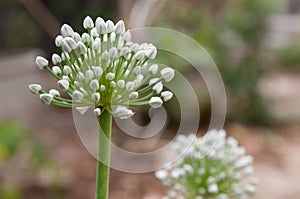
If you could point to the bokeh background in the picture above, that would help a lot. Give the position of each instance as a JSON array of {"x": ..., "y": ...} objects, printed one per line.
[{"x": 255, "y": 44}]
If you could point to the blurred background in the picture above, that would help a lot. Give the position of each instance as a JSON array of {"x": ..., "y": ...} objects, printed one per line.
[{"x": 254, "y": 43}]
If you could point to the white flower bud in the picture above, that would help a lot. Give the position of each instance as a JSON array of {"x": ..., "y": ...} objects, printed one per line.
[
  {"x": 158, "y": 87},
  {"x": 153, "y": 81},
  {"x": 65, "y": 56},
  {"x": 85, "y": 38},
  {"x": 101, "y": 26},
  {"x": 134, "y": 95},
  {"x": 213, "y": 188},
  {"x": 110, "y": 76},
  {"x": 130, "y": 86},
  {"x": 151, "y": 52},
  {"x": 82, "y": 110},
  {"x": 81, "y": 48},
  {"x": 66, "y": 31},
  {"x": 105, "y": 55},
  {"x": 54, "y": 92},
  {"x": 161, "y": 174},
  {"x": 113, "y": 84},
  {"x": 123, "y": 112},
  {"x": 63, "y": 84},
  {"x": 69, "y": 44},
  {"x": 96, "y": 45},
  {"x": 94, "y": 84},
  {"x": 41, "y": 62},
  {"x": 88, "y": 22},
  {"x": 58, "y": 40},
  {"x": 120, "y": 27},
  {"x": 76, "y": 37},
  {"x": 167, "y": 74},
  {"x": 80, "y": 76},
  {"x": 35, "y": 88},
  {"x": 56, "y": 59},
  {"x": 153, "y": 69},
  {"x": 134, "y": 47},
  {"x": 166, "y": 95},
  {"x": 89, "y": 75},
  {"x": 155, "y": 102},
  {"x": 121, "y": 83},
  {"x": 97, "y": 111},
  {"x": 67, "y": 70},
  {"x": 124, "y": 51},
  {"x": 96, "y": 97},
  {"x": 127, "y": 36},
  {"x": 102, "y": 88},
  {"x": 56, "y": 70},
  {"x": 140, "y": 55},
  {"x": 46, "y": 98},
  {"x": 77, "y": 95},
  {"x": 110, "y": 26},
  {"x": 98, "y": 71},
  {"x": 113, "y": 52},
  {"x": 94, "y": 32},
  {"x": 137, "y": 70}
]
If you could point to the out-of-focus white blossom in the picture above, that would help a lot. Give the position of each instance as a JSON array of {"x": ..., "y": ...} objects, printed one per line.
[{"x": 213, "y": 167}]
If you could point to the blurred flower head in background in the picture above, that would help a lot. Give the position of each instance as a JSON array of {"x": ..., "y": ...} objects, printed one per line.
[
  {"x": 103, "y": 69},
  {"x": 213, "y": 167}
]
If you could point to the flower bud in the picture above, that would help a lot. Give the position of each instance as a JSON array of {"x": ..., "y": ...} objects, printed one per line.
[
  {"x": 35, "y": 88},
  {"x": 85, "y": 38},
  {"x": 102, "y": 88},
  {"x": 94, "y": 32},
  {"x": 166, "y": 95},
  {"x": 101, "y": 26},
  {"x": 98, "y": 71},
  {"x": 69, "y": 44},
  {"x": 77, "y": 95},
  {"x": 63, "y": 84},
  {"x": 113, "y": 52},
  {"x": 56, "y": 70},
  {"x": 110, "y": 76},
  {"x": 127, "y": 36},
  {"x": 89, "y": 75},
  {"x": 123, "y": 112},
  {"x": 155, "y": 102},
  {"x": 54, "y": 92},
  {"x": 97, "y": 111},
  {"x": 120, "y": 27},
  {"x": 140, "y": 55},
  {"x": 76, "y": 37},
  {"x": 66, "y": 31},
  {"x": 67, "y": 70},
  {"x": 167, "y": 74},
  {"x": 81, "y": 48},
  {"x": 153, "y": 69},
  {"x": 158, "y": 87},
  {"x": 110, "y": 26},
  {"x": 153, "y": 81},
  {"x": 130, "y": 86},
  {"x": 134, "y": 95},
  {"x": 96, "y": 97},
  {"x": 58, "y": 40},
  {"x": 56, "y": 59},
  {"x": 121, "y": 83},
  {"x": 105, "y": 55},
  {"x": 46, "y": 98},
  {"x": 41, "y": 62},
  {"x": 88, "y": 22},
  {"x": 94, "y": 84}
]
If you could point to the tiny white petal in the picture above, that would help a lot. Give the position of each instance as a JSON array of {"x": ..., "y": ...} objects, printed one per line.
[
  {"x": 35, "y": 88},
  {"x": 88, "y": 22},
  {"x": 155, "y": 102},
  {"x": 46, "y": 98},
  {"x": 41, "y": 62}
]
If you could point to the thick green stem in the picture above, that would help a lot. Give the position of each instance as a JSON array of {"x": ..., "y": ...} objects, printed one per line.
[{"x": 102, "y": 181}]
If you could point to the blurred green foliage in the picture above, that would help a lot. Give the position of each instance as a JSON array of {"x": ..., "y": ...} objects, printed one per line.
[
  {"x": 289, "y": 56},
  {"x": 233, "y": 33},
  {"x": 17, "y": 142}
]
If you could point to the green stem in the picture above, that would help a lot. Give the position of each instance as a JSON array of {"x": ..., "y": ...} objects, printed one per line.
[{"x": 102, "y": 181}]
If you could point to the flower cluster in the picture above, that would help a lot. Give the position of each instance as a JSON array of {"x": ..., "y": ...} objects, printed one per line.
[
  {"x": 212, "y": 167},
  {"x": 103, "y": 69}
]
